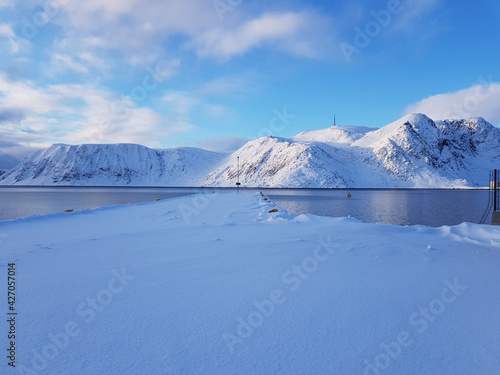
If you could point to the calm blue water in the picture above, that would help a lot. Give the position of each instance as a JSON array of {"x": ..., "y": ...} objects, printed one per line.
[{"x": 402, "y": 207}]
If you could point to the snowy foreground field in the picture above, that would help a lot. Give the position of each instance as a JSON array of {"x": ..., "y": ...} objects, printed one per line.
[{"x": 216, "y": 284}]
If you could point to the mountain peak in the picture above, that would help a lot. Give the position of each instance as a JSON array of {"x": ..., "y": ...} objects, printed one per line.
[
  {"x": 416, "y": 118},
  {"x": 475, "y": 122},
  {"x": 337, "y": 134},
  {"x": 413, "y": 151}
]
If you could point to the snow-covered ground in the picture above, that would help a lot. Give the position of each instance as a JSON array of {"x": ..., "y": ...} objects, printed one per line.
[{"x": 217, "y": 284}]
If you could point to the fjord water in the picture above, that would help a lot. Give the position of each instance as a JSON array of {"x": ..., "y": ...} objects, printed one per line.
[{"x": 393, "y": 206}]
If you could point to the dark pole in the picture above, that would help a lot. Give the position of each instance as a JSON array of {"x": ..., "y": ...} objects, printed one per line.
[
  {"x": 238, "y": 177},
  {"x": 495, "y": 188}
]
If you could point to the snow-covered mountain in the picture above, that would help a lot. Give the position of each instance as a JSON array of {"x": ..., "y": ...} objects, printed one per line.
[
  {"x": 411, "y": 152},
  {"x": 340, "y": 135},
  {"x": 282, "y": 162},
  {"x": 424, "y": 153},
  {"x": 110, "y": 165},
  {"x": 414, "y": 151}
]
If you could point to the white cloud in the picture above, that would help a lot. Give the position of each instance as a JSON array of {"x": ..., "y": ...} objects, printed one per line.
[
  {"x": 6, "y": 3},
  {"x": 171, "y": 16},
  {"x": 24, "y": 94},
  {"x": 128, "y": 31},
  {"x": 86, "y": 113},
  {"x": 179, "y": 106},
  {"x": 178, "y": 101},
  {"x": 414, "y": 11},
  {"x": 70, "y": 54},
  {"x": 93, "y": 61},
  {"x": 141, "y": 125},
  {"x": 6, "y": 30},
  {"x": 291, "y": 32},
  {"x": 78, "y": 114},
  {"x": 136, "y": 30},
  {"x": 62, "y": 63},
  {"x": 480, "y": 100},
  {"x": 93, "y": 41},
  {"x": 15, "y": 43}
]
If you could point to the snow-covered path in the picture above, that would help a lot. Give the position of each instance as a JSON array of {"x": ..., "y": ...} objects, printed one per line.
[{"x": 216, "y": 284}]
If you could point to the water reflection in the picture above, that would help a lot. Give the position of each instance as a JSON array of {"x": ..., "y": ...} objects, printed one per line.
[{"x": 403, "y": 207}]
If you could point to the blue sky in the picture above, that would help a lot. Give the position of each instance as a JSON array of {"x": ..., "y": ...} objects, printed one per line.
[{"x": 215, "y": 73}]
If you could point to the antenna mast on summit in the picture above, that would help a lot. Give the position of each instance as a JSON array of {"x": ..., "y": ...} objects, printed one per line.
[{"x": 334, "y": 120}]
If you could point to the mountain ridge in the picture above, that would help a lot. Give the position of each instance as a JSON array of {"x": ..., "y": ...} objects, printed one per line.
[{"x": 412, "y": 152}]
